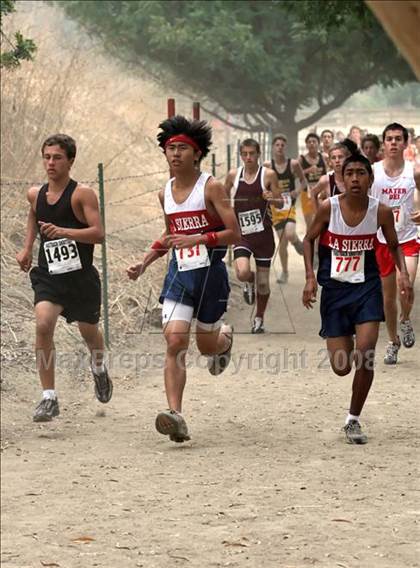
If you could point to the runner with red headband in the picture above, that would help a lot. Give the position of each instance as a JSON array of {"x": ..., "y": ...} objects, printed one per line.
[{"x": 200, "y": 223}]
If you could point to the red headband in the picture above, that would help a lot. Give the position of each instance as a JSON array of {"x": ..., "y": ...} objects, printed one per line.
[{"x": 185, "y": 139}]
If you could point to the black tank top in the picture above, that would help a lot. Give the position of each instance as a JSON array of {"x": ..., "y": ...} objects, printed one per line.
[
  {"x": 61, "y": 214},
  {"x": 334, "y": 189},
  {"x": 313, "y": 178},
  {"x": 286, "y": 179}
]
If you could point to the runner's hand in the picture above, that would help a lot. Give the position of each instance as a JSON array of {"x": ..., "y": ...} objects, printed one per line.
[
  {"x": 135, "y": 270},
  {"x": 50, "y": 231},
  {"x": 309, "y": 293},
  {"x": 181, "y": 241},
  {"x": 415, "y": 217},
  {"x": 24, "y": 259},
  {"x": 405, "y": 287}
]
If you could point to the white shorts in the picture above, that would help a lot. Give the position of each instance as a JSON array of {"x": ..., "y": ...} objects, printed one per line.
[{"x": 174, "y": 311}]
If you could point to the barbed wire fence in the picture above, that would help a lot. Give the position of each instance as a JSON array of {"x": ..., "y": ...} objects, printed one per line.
[{"x": 14, "y": 216}]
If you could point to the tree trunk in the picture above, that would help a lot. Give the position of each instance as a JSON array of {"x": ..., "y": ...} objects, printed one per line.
[{"x": 291, "y": 132}]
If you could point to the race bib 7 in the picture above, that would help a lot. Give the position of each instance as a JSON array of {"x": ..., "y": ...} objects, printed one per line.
[{"x": 348, "y": 267}]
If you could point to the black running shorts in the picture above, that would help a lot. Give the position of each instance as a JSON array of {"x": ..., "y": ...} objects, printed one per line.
[{"x": 78, "y": 292}]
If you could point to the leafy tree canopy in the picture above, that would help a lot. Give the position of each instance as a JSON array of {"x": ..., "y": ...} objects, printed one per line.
[
  {"x": 259, "y": 61},
  {"x": 19, "y": 48}
]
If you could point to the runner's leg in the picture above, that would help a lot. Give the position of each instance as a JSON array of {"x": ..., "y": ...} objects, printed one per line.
[
  {"x": 389, "y": 287},
  {"x": 263, "y": 290},
  {"x": 46, "y": 315},
  {"x": 177, "y": 336},
  {"x": 366, "y": 339},
  {"x": 406, "y": 307}
]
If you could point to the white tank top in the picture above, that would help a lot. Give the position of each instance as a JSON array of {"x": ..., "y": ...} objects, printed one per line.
[
  {"x": 190, "y": 216},
  {"x": 337, "y": 227},
  {"x": 398, "y": 193}
]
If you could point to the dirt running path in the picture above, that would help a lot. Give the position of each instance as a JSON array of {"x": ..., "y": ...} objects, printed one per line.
[{"x": 266, "y": 481}]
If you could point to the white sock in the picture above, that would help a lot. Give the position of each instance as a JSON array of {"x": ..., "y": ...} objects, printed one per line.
[
  {"x": 49, "y": 393},
  {"x": 352, "y": 417},
  {"x": 98, "y": 368}
]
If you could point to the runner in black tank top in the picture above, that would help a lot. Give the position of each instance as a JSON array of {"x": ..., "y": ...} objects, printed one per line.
[
  {"x": 284, "y": 220},
  {"x": 65, "y": 282},
  {"x": 252, "y": 189},
  {"x": 331, "y": 183},
  {"x": 314, "y": 167}
]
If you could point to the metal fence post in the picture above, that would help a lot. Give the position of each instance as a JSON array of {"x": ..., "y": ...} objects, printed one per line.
[
  {"x": 104, "y": 261},
  {"x": 229, "y": 165}
]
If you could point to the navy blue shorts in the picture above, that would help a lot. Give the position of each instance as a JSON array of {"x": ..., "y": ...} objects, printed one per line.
[
  {"x": 205, "y": 289},
  {"x": 344, "y": 308}
]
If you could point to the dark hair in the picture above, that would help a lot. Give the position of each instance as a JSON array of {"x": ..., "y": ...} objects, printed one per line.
[
  {"x": 396, "y": 126},
  {"x": 250, "y": 142},
  {"x": 357, "y": 157},
  {"x": 279, "y": 137},
  {"x": 350, "y": 145},
  {"x": 371, "y": 138},
  {"x": 65, "y": 142},
  {"x": 198, "y": 130},
  {"x": 327, "y": 130},
  {"x": 312, "y": 135}
]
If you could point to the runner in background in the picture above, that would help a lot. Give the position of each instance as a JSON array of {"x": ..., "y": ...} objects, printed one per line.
[
  {"x": 395, "y": 185},
  {"x": 371, "y": 147},
  {"x": 327, "y": 140},
  {"x": 355, "y": 134},
  {"x": 314, "y": 167},
  {"x": 331, "y": 183},
  {"x": 291, "y": 180},
  {"x": 252, "y": 189}
]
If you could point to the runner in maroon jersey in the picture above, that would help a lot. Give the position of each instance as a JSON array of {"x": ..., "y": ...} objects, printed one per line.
[{"x": 253, "y": 188}]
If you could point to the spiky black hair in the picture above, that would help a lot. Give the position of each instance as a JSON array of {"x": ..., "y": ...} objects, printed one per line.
[
  {"x": 198, "y": 130},
  {"x": 359, "y": 158}
]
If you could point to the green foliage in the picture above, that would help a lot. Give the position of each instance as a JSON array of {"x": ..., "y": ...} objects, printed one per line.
[
  {"x": 21, "y": 48},
  {"x": 260, "y": 60}
]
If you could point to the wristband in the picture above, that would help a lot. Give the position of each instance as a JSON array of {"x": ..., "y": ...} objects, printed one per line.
[
  {"x": 159, "y": 247},
  {"x": 211, "y": 238}
]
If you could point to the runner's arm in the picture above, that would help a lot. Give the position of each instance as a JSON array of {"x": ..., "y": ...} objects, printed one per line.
[
  {"x": 415, "y": 216},
  {"x": 85, "y": 202},
  {"x": 161, "y": 247},
  {"x": 273, "y": 192},
  {"x": 24, "y": 256},
  {"x": 230, "y": 178},
  {"x": 300, "y": 176},
  {"x": 321, "y": 186},
  {"x": 387, "y": 224},
  {"x": 321, "y": 220}
]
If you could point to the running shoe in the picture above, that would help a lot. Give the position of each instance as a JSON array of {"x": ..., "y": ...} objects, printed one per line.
[
  {"x": 218, "y": 363},
  {"x": 298, "y": 247},
  {"x": 103, "y": 386},
  {"x": 283, "y": 278},
  {"x": 407, "y": 333},
  {"x": 249, "y": 293},
  {"x": 354, "y": 434},
  {"x": 171, "y": 423},
  {"x": 46, "y": 410},
  {"x": 258, "y": 326},
  {"x": 391, "y": 354}
]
